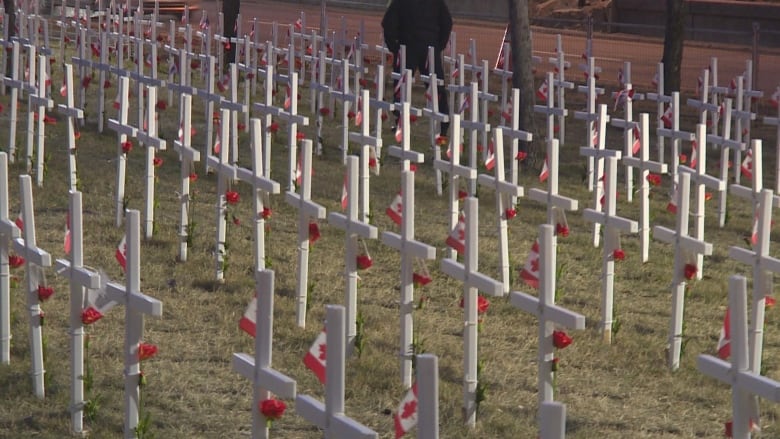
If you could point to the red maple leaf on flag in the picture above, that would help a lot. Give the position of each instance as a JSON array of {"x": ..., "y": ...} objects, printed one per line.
[
  {"x": 323, "y": 351},
  {"x": 410, "y": 408},
  {"x": 535, "y": 265}
]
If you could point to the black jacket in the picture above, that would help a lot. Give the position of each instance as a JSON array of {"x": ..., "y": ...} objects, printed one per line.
[{"x": 417, "y": 23}]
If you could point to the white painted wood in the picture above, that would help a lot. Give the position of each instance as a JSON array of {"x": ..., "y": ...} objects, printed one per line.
[
  {"x": 598, "y": 152},
  {"x": 590, "y": 115},
  {"x": 8, "y": 232},
  {"x": 72, "y": 114},
  {"x": 123, "y": 130},
  {"x": 187, "y": 155},
  {"x": 661, "y": 101},
  {"x": 553, "y": 420},
  {"x": 676, "y": 135}
]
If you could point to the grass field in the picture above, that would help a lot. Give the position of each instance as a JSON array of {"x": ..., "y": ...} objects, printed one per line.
[{"x": 623, "y": 390}]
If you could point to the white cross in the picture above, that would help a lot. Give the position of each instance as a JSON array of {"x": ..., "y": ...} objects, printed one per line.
[
  {"x": 72, "y": 113},
  {"x": 364, "y": 138},
  {"x": 149, "y": 138},
  {"x": 742, "y": 118},
  {"x": 553, "y": 420},
  {"x": 15, "y": 84},
  {"x": 431, "y": 110},
  {"x": 265, "y": 379},
  {"x": 724, "y": 142},
  {"x": 347, "y": 98},
  {"x": 473, "y": 281},
  {"x": 645, "y": 166},
  {"x": 211, "y": 97},
  {"x": 702, "y": 104},
  {"x": 262, "y": 187},
  {"x": 599, "y": 153},
  {"x": 627, "y": 124},
  {"x": 235, "y": 106},
  {"x": 319, "y": 87},
  {"x": 548, "y": 313},
  {"x": 456, "y": 171},
  {"x": 475, "y": 126},
  {"x": 35, "y": 259},
  {"x": 410, "y": 249},
  {"x": 745, "y": 384},
  {"x": 354, "y": 229},
  {"x": 590, "y": 116},
  {"x": 764, "y": 267},
  {"x": 516, "y": 135},
  {"x": 677, "y": 135},
  {"x": 187, "y": 155},
  {"x": 330, "y": 416},
  {"x": 775, "y": 121},
  {"x": 404, "y": 150},
  {"x": 80, "y": 278},
  {"x": 561, "y": 85},
  {"x": 662, "y": 101},
  {"x": 505, "y": 192},
  {"x": 37, "y": 104},
  {"x": 123, "y": 130},
  {"x": 8, "y": 231},
  {"x": 137, "y": 305},
  {"x": 548, "y": 109},
  {"x": 683, "y": 245},
  {"x": 754, "y": 193},
  {"x": 613, "y": 225},
  {"x": 307, "y": 209},
  {"x": 226, "y": 173},
  {"x": 551, "y": 197},
  {"x": 427, "y": 396}
]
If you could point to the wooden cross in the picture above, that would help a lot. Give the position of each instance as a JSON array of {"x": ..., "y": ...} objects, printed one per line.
[
  {"x": 411, "y": 250},
  {"x": 427, "y": 396},
  {"x": 262, "y": 187},
  {"x": 677, "y": 135},
  {"x": 73, "y": 113},
  {"x": 553, "y": 420},
  {"x": 505, "y": 192},
  {"x": 745, "y": 384},
  {"x": 354, "y": 229},
  {"x": 307, "y": 209},
  {"x": 548, "y": 109},
  {"x": 226, "y": 173},
  {"x": 627, "y": 124},
  {"x": 683, "y": 245},
  {"x": 265, "y": 379},
  {"x": 516, "y": 135},
  {"x": 35, "y": 260},
  {"x": 598, "y": 153},
  {"x": 662, "y": 101},
  {"x": 149, "y": 138},
  {"x": 473, "y": 281},
  {"x": 613, "y": 225},
  {"x": 404, "y": 151},
  {"x": 80, "y": 278},
  {"x": 123, "y": 130},
  {"x": 235, "y": 106},
  {"x": 187, "y": 155},
  {"x": 8, "y": 232},
  {"x": 475, "y": 126},
  {"x": 16, "y": 84},
  {"x": 645, "y": 166},
  {"x": 38, "y": 101},
  {"x": 431, "y": 110},
  {"x": 364, "y": 138},
  {"x": 551, "y": 197},
  {"x": 560, "y": 85},
  {"x": 701, "y": 180},
  {"x": 549, "y": 314},
  {"x": 764, "y": 267},
  {"x": 724, "y": 142},
  {"x": 342, "y": 93},
  {"x": 754, "y": 193},
  {"x": 137, "y": 305},
  {"x": 330, "y": 416},
  {"x": 775, "y": 121},
  {"x": 590, "y": 116},
  {"x": 456, "y": 170},
  {"x": 379, "y": 104},
  {"x": 702, "y": 104},
  {"x": 742, "y": 119}
]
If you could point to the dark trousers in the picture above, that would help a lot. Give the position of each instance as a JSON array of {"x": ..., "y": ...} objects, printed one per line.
[{"x": 417, "y": 61}]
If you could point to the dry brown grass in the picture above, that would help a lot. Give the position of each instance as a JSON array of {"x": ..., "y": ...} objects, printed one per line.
[{"x": 618, "y": 391}]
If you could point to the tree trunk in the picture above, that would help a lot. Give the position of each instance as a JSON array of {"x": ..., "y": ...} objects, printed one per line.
[
  {"x": 676, "y": 12},
  {"x": 522, "y": 59}
]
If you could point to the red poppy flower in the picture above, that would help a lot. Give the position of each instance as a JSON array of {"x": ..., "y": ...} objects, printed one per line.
[
  {"x": 161, "y": 104},
  {"x": 510, "y": 213},
  {"x": 690, "y": 271},
  {"x": 193, "y": 177},
  {"x": 482, "y": 304},
  {"x": 127, "y": 146},
  {"x": 50, "y": 120},
  {"x": 274, "y": 127},
  {"x": 561, "y": 230},
  {"x": 77, "y": 135},
  {"x": 441, "y": 140},
  {"x": 266, "y": 213},
  {"x": 654, "y": 179},
  {"x": 462, "y": 194},
  {"x": 85, "y": 82},
  {"x": 364, "y": 262},
  {"x": 413, "y": 167},
  {"x": 618, "y": 254},
  {"x": 561, "y": 339},
  {"x": 363, "y": 83},
  {"x": 272, "y": 409},
  {"x": 241, "y": 126},
  {"x": 350, "y": 115},
  {"x": 372, "y": 163},
  {"x": 106, "y": 84},
  {"x": 521, "y": 155},
  {"x": 683, "y": 158},
  {"x": 157, "y": 162},
  {"x": 412, "y": 118},
  {"x": 44, "y": 292},
  {"x": 384, "y": 116},
  {"x": 707, "y": 196},
  {"x": 421, "y": 280},
  {"x": 15, "y": 261},
  {"x": 146, "y": 351},
  {"x": 116, "y": 105},
  {"x": 314, "y": 232},
  {"x": 90, "y": 316},
  {"x": 300, "y": 135},
  {"x": 324, "y": 111},
  {"x": 194, "y": 64},
  {"x": 232, "y": 197}
]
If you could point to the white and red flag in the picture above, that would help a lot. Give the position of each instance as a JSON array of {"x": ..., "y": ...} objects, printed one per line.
[
  {"x": 542, "y": 91},
  {"x": 636, "y": 143},
  {"x": 545, "y": 171},
  {"x": 694, "y": 153},
  {"x": 457, "y": 237},
  {"x": 19, "y": 221},
  {"x": 776, "y": 98},
  {"x": 490, "y": 159},
  {"x": 248, "y": 321},
  {"x": 344, "y": 193},
  {"x": 315, "y": 357},
  {"x": 406, "y": 416},
  {"x": 530, "y": 271},
  {"x": 66, "y": 242},
  {"x": 747, "y": 164},
  {"x": 466, "y": 104},
  {"x": 667, "y": 117},
  {"x": 724, "y": 342},
  {"x": 287, "y": 97},
  {"x": 121, "y": 253},
  {"x": 396, "y": 209}
]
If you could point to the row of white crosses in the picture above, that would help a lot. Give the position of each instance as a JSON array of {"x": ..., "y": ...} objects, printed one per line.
[
  {"x": 591, "y": 117},
  {"x": 8, "y": 232}
]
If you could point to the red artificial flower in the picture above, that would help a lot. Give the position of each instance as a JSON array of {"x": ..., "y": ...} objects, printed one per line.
[
  {"x": 266, "y": 213},
  {"x": 441, "y": 140},
  {"x": 364, "y": 262},
  {"x": 654, "y": 179},
  {"x": 384, "y": 116},
  {"x": 77, "y": 135},
  {"x": 195, "y": 64},
  {"x": 300, "y": 135},
  {"x": 146, "y": 351},
  {"x": 561, "y": 339},
  {"x": 363, "y": 83},
  {"x": 769, "y": 301},
  {"x": 482, "y": 304},
  {"x": 413, "y": 167},
  {"x": 241, "y": 126},
  {"x": 127, "y": 146},
  {"x": 44, "y": 293},
  {"x": 683, "y": 158},
  {"x": 521, "y": 155},
  {"x": 372, "y": 163},
  {"x": 690, "y": 271},
  {"x": 421, "y": 280},
  {"x": 462, "y": 194},
  {"x": 50, "y": 120},
  {"x": 618, "y": 254},
  {"x": 272, "y": 409},
  {"x": 85, "y": 82},
  {"x": 561, "y": 230},
  {"x": 350, "y": 115},
  {"x": 106, "y": 84},
  {"x": 90, "y": 316},
  {"x": 161, "y": 104},
  {"x": 510, "y": 213},
  {"x": 707, "y": 196},
  {"x": 15, "y": 261},
  {"x": 193, "y": 176},
  {"x": 116, "y": 105},
  {"x": 232, "y": 197},
  {"x": 274, "y": 127},
  {"x": 157, "y": 162},
  {"x": 324, "y": 111},
  {"x": 412, "y": 118},
  {"x": 480, "y": 148},
  {"x": 236, "y": 221},
  {"x": 314, "y": 232}
]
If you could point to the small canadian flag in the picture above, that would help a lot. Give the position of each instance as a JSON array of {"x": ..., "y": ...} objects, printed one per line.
[
  {"x": 457, "y": 237},
  {"x": 490, "y": 159},
  {"x": 466, "y": 104},
  {"x": 121, "y": 252},
  {"x": 217, "y": 145},
  {"x": 637, "y": 144},
  {"x": 298, "y": 171},
  {"x": 507, "y": 113},
  {"x": 776, "y": 98},
  {"x": 248, "y": 320},
  {"x": 667, "y": 117},
  {"x": 19, "y": 221},
  {"x": 672, "y": 206},
  {"x": 754, "y": 232},
  {"x": 399, "y": 131},
  {"x": 654, "y": 82},
  {"x": 724, "y": 342},
  {"x": 747, "y": 164},
  {"x": 315, "y": 358},
  {"x": 396, "y": 209},
  {"x": 542, "y": 91},
  {"x": 298, "y": 24},
  {"x": 64, "y": 88},
  {"x": 594, "y": 135},
  {"x": 694, "y": 153},
  {"x": 406, "y": 416},
  {"x": 344, "y": 194},
  {"x": 545, "y": 172},
  {"x": 287, "y": 98},
  {"x": 66, "y": 243},
  {"x": 622, "y": 97},
  {"x": 530, "y": 271}
]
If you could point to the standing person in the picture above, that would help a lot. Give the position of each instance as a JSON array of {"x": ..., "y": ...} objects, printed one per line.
[
  {"x": 418, "y": 24},
  {"x": 230, "y": 11}
]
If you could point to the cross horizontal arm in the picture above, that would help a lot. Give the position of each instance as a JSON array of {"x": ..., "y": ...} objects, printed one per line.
[
  {"x": 357, "y": 227},
  {"x": 503, "y": 187},
  {"x": 80, "y": 275},
  {"x": 600, "y": 153},
  {"x": 186, "y": 152},
  {"x": 151, "y": 141},
  {"x": 672, "y": 134},
  {"x": 585, "y": 88},
  {"x": 749, "y": 382},
  {"x": 311, "y": 410},
  {"x": 365, "y": 139},
  {"x": 587, "y": 116},
  {"x": 555, "y": 200},
  {"x": 459, "y": 170},
  {"x": 268, "y": 378},
  {"x": 121, "y": 128},
  {"x": 415, "y": 248},
  {"x": 342, "y": 426},
  {"x": 36, "y": 256},
  {"x": 619, "y": 223},
  {"x": 749, "y": 257},
  {"x": 657, "y": 167},
  {"x": 470, "y": 125},
  {"x": 692, "y": 244},
  {"x": 476, "y": 280},
  {"x": 659, "y": 97},
  {"x": 747, "y": 192},
  {"x": 137, "y": 301},
  {"x": 555, "y": 111},
  {"x": 309, "y": 207},
  {"x": 78, "y": 113},
  {"x": 9, "y": 230},
  {"x": 624, "y": 124},
  {"x": 707, "y": 180},
  {"x": 725, "y": 143},
  {"x": 262, "y": 183},
  {"x": 405, "y": 154}
]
